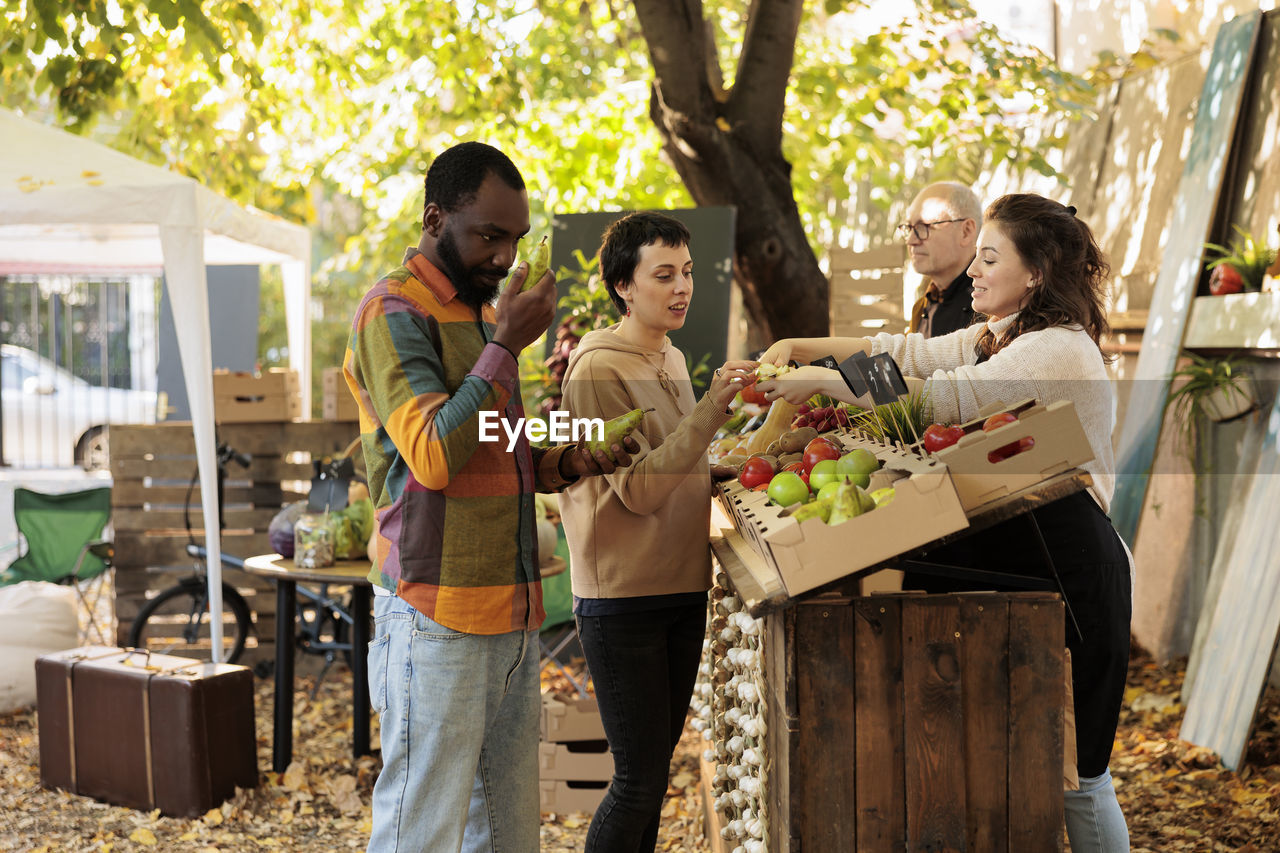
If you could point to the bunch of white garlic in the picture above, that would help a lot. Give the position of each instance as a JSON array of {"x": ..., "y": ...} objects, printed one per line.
[{"x": 729, "y": 711}]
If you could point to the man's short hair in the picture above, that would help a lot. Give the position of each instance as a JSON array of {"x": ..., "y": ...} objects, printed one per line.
[
  {"x": 455, "y": 176},
  {"x": 962, "y": 200}
]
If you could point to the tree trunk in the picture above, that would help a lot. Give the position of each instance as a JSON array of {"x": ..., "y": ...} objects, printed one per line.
[{"x": 727, "y": 148}]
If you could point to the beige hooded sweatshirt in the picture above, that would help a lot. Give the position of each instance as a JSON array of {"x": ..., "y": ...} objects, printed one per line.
[{"x": 643, "y": 529}]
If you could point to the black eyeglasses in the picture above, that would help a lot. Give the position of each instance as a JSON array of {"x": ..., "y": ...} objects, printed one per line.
[{"x": 920, "y": 229}]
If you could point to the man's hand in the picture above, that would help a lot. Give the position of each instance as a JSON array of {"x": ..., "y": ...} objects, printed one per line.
[
  {"x": 524, "y": 317},
  {"x": 581, "y": 462}
]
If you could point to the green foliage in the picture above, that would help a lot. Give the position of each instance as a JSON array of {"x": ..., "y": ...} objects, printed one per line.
[
  {"x": 1190, "y": 401},
  {"x": 584, "y": 307},
  {"x": 903, "y": 421},
  {"x": 328, "y": 113},
  {"x": 1250, "y": 257}
]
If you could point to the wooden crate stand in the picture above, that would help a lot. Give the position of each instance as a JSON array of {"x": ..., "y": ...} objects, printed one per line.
[
  {"x": 152, "y": 467},
  {"x": 916, "y": 722}
]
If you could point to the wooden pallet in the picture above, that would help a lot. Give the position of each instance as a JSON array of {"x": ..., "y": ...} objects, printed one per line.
[{"x": 152, "y": 468}]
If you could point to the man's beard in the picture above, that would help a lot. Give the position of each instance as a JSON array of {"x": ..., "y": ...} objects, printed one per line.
[{"x": 474, "y": 288}]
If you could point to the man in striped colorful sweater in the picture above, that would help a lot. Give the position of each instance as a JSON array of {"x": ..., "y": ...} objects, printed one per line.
[{"x": 453, "y": 667}]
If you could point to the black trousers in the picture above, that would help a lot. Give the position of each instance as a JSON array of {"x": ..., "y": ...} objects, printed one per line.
[
  {"x": 1094, "y": 569},
  {"x": 644, "y": 666}
]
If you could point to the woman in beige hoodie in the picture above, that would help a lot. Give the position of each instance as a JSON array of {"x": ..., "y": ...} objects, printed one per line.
[{"x": 638, "y": 537}]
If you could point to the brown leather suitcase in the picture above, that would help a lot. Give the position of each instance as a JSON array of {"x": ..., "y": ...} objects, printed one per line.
[{"x": 145, "y": 731}]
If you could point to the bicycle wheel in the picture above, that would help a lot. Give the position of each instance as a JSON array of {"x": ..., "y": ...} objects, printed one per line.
[
  {"x": 177, "y": 621},
  {"x": 322, "y": 628}
]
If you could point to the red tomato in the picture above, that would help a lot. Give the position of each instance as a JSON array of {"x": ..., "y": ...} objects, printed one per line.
[
  {"x": 998, "y": 420},
  {"x": 939, "y": 436},
  {"x": 754, "y": 472},
  {"x": 817, "y": 450},
  {"x": 799, "y": 468},
  {"x": 1011, "y": 449},
  {"x": 1225, "y": 279},
  {"x": 751, "y": 394}
]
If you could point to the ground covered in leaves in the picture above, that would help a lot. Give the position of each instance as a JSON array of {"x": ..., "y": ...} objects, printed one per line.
[{"x": 1177, "y": 797}]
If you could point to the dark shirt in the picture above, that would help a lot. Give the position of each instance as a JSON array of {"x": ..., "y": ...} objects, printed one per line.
[{"x": 954, "y": 311}]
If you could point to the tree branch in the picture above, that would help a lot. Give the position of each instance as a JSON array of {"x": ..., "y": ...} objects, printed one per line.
[
  {"x": 677, "y": 41},
  {"x": 764, "y": 71}
]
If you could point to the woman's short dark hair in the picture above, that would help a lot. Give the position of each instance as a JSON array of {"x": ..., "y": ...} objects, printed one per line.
[
  {"x": 622, "y": 241},
  {"x": 1070, "y": 268},
  {"x": 455, "y": 176}
]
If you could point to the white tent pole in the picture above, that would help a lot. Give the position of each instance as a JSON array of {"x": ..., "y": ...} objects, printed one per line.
[
  {"x": 184, "y": 274},
  {"x": 297, "y": 307}
]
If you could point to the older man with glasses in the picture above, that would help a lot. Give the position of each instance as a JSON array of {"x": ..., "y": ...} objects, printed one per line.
[{"x": 941, "y": 233}]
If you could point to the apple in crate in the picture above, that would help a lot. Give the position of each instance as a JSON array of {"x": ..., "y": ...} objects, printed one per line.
[{"x": 787, "y": 488}]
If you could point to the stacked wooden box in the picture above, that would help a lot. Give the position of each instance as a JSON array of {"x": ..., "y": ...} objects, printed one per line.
[
  {"x": 574, "y": 762},
  {"x": 337, "y": 404},
  {"x": 271, "y": 396},
  {"x": 867, "y": 290},
  {"x": 152, "y": 468}
]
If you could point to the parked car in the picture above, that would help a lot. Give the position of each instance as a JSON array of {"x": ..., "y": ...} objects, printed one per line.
[{"x": 54, "y": 418}]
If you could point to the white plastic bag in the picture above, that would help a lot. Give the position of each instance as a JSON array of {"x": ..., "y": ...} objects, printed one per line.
[{"x": 36, "y": 618}]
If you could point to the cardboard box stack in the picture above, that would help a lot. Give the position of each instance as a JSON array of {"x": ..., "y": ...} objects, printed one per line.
[
  {"x": 243, "y": 398},
  {"x": 574, "y": 762},
  {"x": 337, "y": 402}
]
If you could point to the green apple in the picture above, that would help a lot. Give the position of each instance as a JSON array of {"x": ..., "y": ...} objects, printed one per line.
[
  {"x": 857, "y": 466},
  {"x": 824, "y": 474},
  {"x": 786, "y": 488},
  {"x": 829, "y": 490}
]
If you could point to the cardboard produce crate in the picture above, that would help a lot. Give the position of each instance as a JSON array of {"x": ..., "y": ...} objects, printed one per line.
[
  {"x": 809, "y": 554},
  {"x": 981, "y": 473},
  {"x": 574, "y": 762},
  {"x": 337, "y": 404},
  {"x": 916, "y": 722},
  {"x": 568, "y": 797},
  {"x": 575, "y": 719},
  {"x": 241, "y": 398},
  {"x": 577, "y": 761}
]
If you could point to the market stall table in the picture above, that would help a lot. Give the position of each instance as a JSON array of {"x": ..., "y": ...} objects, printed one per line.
[
  {"x": 889, "y": 720},
  {"x": 286, "y": 577}
]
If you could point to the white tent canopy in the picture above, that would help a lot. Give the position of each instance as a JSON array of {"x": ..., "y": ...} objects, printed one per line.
[{"x": 68, "y": 201}]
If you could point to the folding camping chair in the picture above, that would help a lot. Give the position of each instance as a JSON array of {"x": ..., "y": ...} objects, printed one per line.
[{"x": 64, "y": 545}]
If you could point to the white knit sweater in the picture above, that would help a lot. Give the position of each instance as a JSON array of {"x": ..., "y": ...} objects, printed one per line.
[{"x": 1061, "y": 363}]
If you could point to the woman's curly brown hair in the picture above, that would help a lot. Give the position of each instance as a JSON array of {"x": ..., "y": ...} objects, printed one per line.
[{"x": 1071, "y": 270}]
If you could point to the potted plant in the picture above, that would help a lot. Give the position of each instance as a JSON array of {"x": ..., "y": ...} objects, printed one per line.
[
  {"x": 1216, "y": 389},
  {"x": 1242, "y": 267}
]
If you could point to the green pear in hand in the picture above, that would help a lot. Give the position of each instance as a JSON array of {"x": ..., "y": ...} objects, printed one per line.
[
  {"x": 539, "y": 264},
  {"x": 616, "y": 430}
]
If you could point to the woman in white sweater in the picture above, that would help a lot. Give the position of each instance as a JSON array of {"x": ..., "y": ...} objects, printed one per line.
[{"x": 1040, "y": 279}]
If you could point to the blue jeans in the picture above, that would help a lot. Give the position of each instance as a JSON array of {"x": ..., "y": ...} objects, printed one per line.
[
  {"x": 1094, "y": 821},
  {"x": 459, "y": 716},
  {"x": 643, "y": 666}
]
